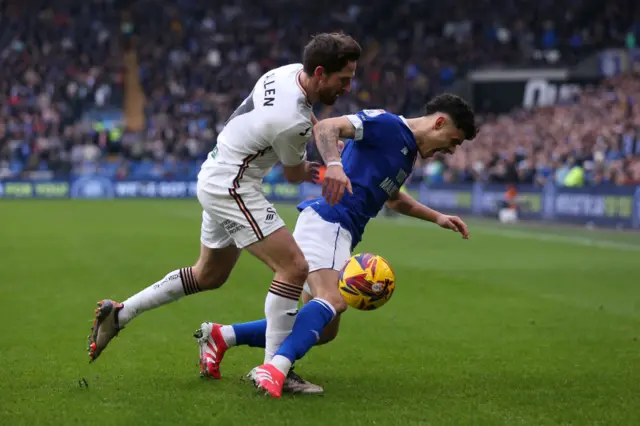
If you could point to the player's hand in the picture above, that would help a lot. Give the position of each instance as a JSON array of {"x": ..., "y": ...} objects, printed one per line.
[
  {"x": 334, "y": 184},
  {"x": 455, "y": 224},
  {"x": 311, "y": 171}
]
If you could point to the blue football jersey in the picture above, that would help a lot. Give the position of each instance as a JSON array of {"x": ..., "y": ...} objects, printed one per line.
[{"x": 377, "y": 161}]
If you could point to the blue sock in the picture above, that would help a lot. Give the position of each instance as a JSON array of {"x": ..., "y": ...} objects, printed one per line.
[
  {"x": 311, "y": 320},
  {"x": 251, "y": 333}
]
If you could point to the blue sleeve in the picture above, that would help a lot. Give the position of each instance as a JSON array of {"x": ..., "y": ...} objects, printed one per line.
[{"x": 369, "y": 124}]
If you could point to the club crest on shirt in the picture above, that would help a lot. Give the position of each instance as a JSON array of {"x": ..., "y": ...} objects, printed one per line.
[{"x": 373, "y": 112}]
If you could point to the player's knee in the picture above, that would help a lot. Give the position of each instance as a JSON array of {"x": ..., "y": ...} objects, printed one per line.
[
  {"x": 337, "y": 302},
  {"x": 208, "y": 277},
  {"x": 333, "y": 297},
  {"x": 296, "y": 270}
]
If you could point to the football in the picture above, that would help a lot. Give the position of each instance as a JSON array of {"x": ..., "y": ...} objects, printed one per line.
[{"x": 366, "y": 281}]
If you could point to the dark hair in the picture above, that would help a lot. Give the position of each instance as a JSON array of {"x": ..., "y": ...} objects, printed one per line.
[
  {"x": 459, "y": 111},
  {"x": 332, "y": 51}
]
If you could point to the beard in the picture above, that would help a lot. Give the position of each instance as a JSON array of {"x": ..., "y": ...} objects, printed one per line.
[{"x": 328, "y": 98}]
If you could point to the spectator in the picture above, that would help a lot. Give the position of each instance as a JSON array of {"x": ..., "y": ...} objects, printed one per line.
[{"x": 63, "y": 72}]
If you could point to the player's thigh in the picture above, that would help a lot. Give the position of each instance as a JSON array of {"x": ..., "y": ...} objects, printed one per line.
[
  {"x": 253, "y": 223},
  {"x": 218, "y": 255},
  {"x": 280, "y": 252},
  {"x": 326, "y": 246},
  {"x": 245, "y": 215}
]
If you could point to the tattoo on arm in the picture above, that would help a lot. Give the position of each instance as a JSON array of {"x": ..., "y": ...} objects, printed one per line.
[{"x": 327, "y": 142}]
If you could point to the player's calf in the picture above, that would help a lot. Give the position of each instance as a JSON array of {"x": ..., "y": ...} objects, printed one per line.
[
  {"x": 210, "y": 272},
  {"x": 214, "y": 266},
  {"x": 281, "y": 253},
  {"x": 330, "y": 331},
  {"x": 312, "y": 319},
  {"x": 329, "y": 293}
]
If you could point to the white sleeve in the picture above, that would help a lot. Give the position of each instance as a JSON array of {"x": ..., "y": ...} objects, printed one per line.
[
  {"x": 357, "y": 124},
  {"x": 290, "y": 144}
]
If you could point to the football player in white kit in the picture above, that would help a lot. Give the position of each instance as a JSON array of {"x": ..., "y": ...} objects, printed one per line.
[{"x": 272, "y": 124}]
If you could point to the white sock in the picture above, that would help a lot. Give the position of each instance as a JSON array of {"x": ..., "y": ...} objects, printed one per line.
[
  {"x": 171, "y": 288},
  {"x": 229, "y": 335},
  {"x": 280, "y": 309},
  {"x": 282, "y": 363}
]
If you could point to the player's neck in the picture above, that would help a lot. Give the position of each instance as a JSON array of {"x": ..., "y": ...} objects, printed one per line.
[
  {"x": 416, "y": 125},
  {"x": 308, "y": 87},
  {"x": 420, "y": 129}
]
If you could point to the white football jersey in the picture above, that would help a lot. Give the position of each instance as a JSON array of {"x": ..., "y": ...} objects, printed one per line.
[{"x": 273, "y": 124}]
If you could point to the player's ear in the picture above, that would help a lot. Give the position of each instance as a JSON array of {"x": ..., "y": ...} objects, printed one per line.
[
  {"x": 440, "y": 122},
  {"x": 319, "y": 72}
]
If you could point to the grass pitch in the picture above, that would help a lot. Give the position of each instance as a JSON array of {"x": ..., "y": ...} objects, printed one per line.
[{"x": 518, "y": 326}]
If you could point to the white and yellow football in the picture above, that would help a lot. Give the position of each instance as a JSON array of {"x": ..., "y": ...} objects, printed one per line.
[{"x": 366, "y": 281}]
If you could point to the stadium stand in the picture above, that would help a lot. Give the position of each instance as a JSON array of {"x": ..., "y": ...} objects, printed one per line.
[{"x": 64, "y": 110}]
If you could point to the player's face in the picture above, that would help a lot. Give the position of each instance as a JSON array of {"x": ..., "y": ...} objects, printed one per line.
[
  {"x": 331, "y": 86},
  {"x": 444, "y": 137}
]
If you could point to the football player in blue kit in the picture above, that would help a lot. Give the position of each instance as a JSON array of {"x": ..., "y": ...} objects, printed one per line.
[{"x": 379, "y": 155}]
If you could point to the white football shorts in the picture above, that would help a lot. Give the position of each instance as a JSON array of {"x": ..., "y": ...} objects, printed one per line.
[
  {"x": 325, "y": 245},
  {"x": 239, "y": 216}
]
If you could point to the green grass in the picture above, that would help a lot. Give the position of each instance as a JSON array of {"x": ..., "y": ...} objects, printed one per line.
[{"x": 518, "y": 326}]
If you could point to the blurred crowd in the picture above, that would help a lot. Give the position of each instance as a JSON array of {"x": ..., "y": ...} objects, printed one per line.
[
  {"x": 595, "y": 140},
  {"x": 63, "y": 71},
  {"x": 59, "y": 64}
]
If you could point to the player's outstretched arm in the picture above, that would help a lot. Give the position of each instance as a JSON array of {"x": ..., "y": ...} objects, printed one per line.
[
  {"x": 406, "y": 205},
  {"x": 327, "y": 134}
]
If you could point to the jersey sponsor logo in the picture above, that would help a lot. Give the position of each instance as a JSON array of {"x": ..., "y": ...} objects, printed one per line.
[
  {"x": 271, "y": 215},
  {"x": 389, "y": 186},
  {"x": 404, "y": 150},
  {"x": 373, "y": 112},
  {"x": 402, "y": 175}
]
